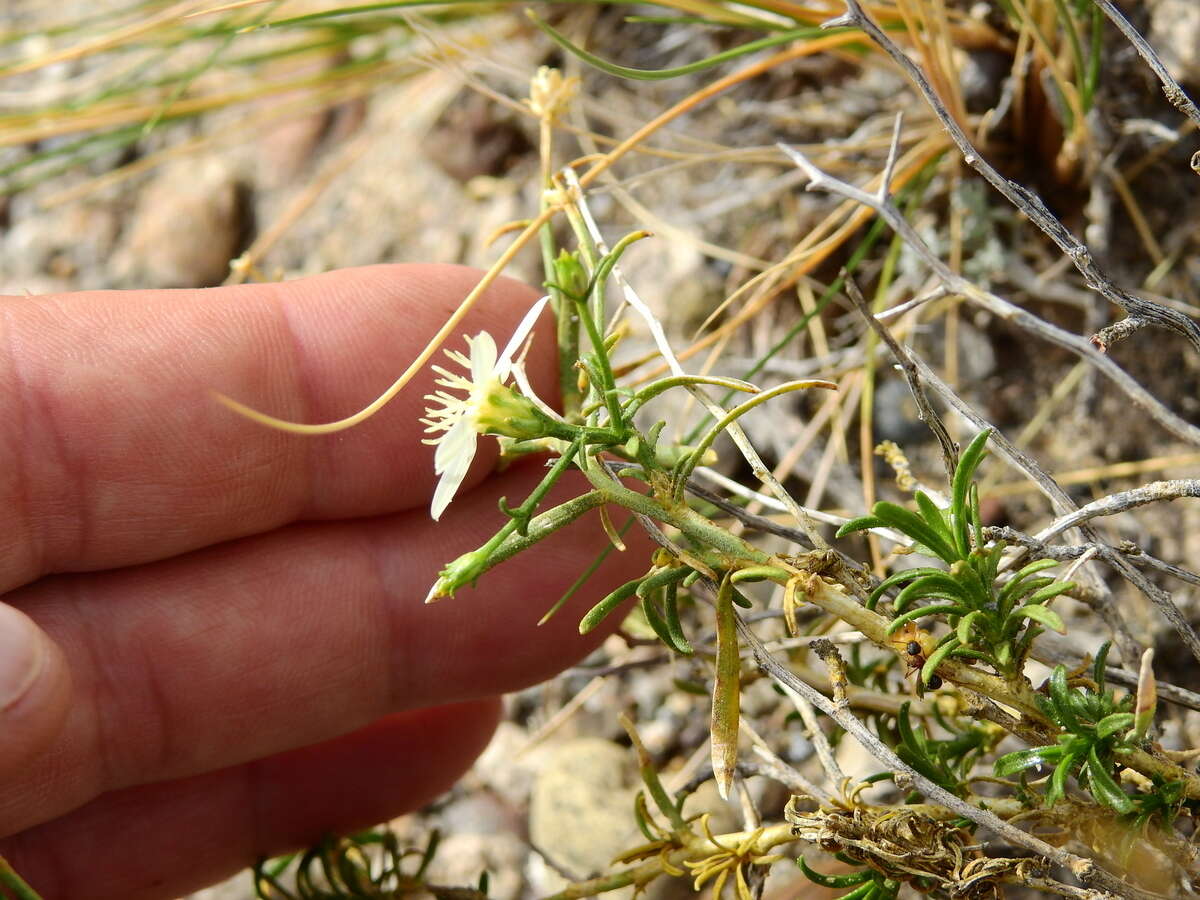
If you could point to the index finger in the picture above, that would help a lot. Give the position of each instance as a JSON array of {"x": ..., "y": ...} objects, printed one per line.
[{"x": 115, "y": 453}]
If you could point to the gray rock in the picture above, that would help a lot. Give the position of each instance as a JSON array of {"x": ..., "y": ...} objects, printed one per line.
[
  {"x": 185, "y": 229},
  {"x": 581, "y": 811}
]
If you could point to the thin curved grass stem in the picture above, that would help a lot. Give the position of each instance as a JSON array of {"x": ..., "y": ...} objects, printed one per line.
[{"x": 530, "y": 231}]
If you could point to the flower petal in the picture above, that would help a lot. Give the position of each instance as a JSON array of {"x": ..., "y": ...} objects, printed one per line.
[
  {"x": 524, "y": 327},
  {"x": 454, "y": 456},
  {"x": 459, "y": 440},
  {"x": 483, "y": 357}
]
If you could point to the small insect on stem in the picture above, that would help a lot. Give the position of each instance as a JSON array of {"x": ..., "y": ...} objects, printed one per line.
[
  {"x": 910, "y": 640},
  {"x": 916, "y": 659}
]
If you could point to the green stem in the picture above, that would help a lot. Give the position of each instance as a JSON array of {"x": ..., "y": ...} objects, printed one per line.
[
  {"x": 691, "y": 523},
  {"x": 608, "y": 386},
  {"x": 1013, "y": 693},
  {"x": 650, "y": 778},
  {"x": 591, "y": 310},
  {"x": 567, "y": 325},
  {"x": 506, "y": 544},
  {"x": 521, "y": 515},
  {"x": 591, "y": 256},
  {"x": 690, "y": 463},
  {"x": 654, "y": 388},
  {"x": 15, "y": 884}
]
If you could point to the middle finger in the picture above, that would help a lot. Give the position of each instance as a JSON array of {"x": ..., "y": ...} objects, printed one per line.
[{"x": 267, "y": 643}]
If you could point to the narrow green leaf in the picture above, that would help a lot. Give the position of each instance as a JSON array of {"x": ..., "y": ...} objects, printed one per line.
[
  {"x": 935, "y": 659},
  {"x": 899, "y": 578},
  {"x": 976, "y": 518},
  {"x": 1087, "y": 707},
  {"x": 1099, "y": 663},
  {"x": 1052, "y": 590},
  {"x": 932, "y": 515},
  {"x": 646, "y": 768},
  {"x": 1058, "y": 780},
  {"x": 968, "y": 653},
  {"x": 939, "y": 584},
  {"x": 833, "y": 881},
  {"x": 641, "y": 816},
  {"x": 914, "y": 526},
  {"x": 604, "y": 608},
  {"x": 661, "y": 74},
  {"x": 1014, "y": 591},
  {"x": 1043, "y": 615},
  {"x": 674, "y": 626},
  {"x": 587, "y": 573},
  {"x": 965, "y": 624},
  {"x": 14, "y": 886},
  {"x": 1020, "y": 760},
  {"x": 908, "y": 737},
  {"x": 1060, "y": 698},
  {"x": 897, "y": 623},
  {"x": 968, "y": 462},
  {"x": 965, "y": 572},
  {"x": 862, "y": 523},
  {"x": 659, "y": 624},
  {"x": 865, "y": 891},
  {"x": 1110, "y": 725},
  {"x": 1103, "y": 787},
  {"x": 662, "y": 578},
  {"x": 726, "y": 701},
  {"x": 1038, "y": 565}
]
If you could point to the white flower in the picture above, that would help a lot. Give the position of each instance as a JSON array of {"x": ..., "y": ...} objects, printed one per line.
[{"x": 488, "y": 407}]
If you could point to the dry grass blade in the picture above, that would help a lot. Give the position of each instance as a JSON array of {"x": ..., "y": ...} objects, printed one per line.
[{"x": 726, "y": 700}]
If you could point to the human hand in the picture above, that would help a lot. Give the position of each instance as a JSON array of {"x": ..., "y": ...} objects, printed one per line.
[{"x": 233, "y": 655}]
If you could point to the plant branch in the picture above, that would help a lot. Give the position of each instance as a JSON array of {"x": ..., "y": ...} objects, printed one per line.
[
  {"x": 1063, "y": 552},
  {"x": 575, "y": 187},
  {"x": 1100, "y": 595},
  {"x": 1155, "y": 492},
  {"x": 1175, "y": 94},
  {"x": 1140, "y": 312},
  {"x": 833, "y": 599},
  {"x": 998, "y": 306},
  {"x": 1120, "y": 502},
  {"x": 925, "y": 412},
  {"x": 1129, "y": 649},
  {"x": 1085, "y": 869}
]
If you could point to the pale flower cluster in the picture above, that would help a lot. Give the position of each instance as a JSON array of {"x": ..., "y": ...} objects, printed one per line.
[
  {"x": 550, "y": 93},
  {"x": 488, "y": 407}
]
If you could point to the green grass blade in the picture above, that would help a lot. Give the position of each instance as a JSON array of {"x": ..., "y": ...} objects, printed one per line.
[{"x": 604, "y": 65}]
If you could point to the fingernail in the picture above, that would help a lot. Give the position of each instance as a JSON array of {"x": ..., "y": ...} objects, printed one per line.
[{"x": 22, "y": 656}]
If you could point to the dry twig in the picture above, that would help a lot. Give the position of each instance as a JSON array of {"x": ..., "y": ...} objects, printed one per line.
[
  {"x": 1085, "y": 869},
  {"x": 1139, "y": 312}
]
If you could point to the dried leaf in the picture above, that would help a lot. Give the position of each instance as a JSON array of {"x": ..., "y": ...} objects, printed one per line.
[
  {"x": 726, "y": 692},
  {"x": 1147, "y": 696}
]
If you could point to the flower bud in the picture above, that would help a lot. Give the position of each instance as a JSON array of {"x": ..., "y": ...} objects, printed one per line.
[{"x": 570, "y": 276}]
